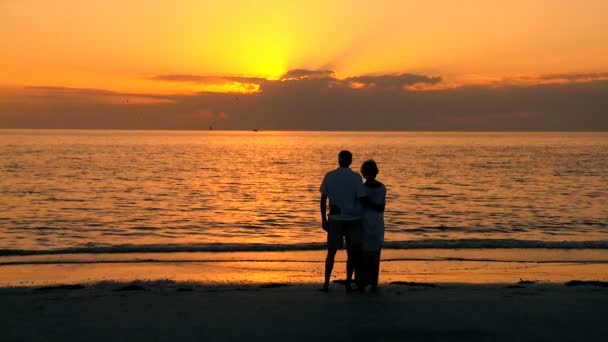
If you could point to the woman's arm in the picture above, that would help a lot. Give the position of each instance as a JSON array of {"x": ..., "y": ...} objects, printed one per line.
[{"x": 368, "y": 203}]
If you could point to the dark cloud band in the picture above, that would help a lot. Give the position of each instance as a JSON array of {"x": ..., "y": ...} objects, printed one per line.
[{"x": 317, "y": 100}]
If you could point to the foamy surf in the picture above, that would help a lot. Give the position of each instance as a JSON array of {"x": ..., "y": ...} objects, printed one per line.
[{"x": 314, "y": 246}]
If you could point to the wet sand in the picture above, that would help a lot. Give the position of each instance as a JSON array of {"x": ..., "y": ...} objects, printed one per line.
[
  {"x": 186, "y": 311},
  {"x": 435, "y": 266}
]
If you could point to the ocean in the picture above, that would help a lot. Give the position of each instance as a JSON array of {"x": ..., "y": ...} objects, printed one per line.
[{"x": 238, "y": 190}]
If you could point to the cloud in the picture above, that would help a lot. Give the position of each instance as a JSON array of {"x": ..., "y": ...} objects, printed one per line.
[
  {"x": 88, "y": 95},
  {"x": 325, "y": 78},
  {"x": 538, "y": 79},
  {"x": 217, "y": 84},
  {"x": 392, "y": 81},
  {"x": 207, "y": 79},
  {"x": 299, "y": 77},
  {"x": 67, "y": 90},
  {"x": 317, "y": 100},
  {"x": 574, "y": 77},
  {"x": 304, "y": 74}
]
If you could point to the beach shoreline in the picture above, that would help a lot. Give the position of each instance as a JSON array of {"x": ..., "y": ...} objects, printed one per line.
[
  {"x": 475, "y": 266},
  {"x": 425, "y": 295}
]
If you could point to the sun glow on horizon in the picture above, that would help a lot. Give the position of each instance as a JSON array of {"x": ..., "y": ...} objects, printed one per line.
[
  {"x": 116, "y": 46},
  {"x": 269, "y": 61},
  {"x": 231, "y": 87}
]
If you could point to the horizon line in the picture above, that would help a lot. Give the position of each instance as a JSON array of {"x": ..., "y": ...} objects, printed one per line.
[{"x": 300, "y": 130}]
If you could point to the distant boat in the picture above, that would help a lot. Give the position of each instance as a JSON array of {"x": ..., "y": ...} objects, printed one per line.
[{"x": 255, "y": 130}]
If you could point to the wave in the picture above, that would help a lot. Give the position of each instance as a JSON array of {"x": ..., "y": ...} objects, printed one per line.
[
  {"x": 291, "y": 261},
  {"x": 224, "y": 247}
]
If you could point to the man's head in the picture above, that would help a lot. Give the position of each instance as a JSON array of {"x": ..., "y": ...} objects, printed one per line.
[
  {"x": 369, "y": 170},
  {"x": 345, "y": 158}
]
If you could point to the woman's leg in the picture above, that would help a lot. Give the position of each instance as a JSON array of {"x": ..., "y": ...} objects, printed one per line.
[
  {"x": 350, "y": 267},
  {"x": 375, "y": 269}
]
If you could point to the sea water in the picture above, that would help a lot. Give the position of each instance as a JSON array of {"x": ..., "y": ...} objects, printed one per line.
[{"x": 95, "y": 191}]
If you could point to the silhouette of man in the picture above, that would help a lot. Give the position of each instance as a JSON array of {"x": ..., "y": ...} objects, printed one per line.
[{"x": 342, "y": 187}]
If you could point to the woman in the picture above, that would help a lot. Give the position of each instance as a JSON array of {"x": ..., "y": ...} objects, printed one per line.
[{"x": 374, "y": 201}]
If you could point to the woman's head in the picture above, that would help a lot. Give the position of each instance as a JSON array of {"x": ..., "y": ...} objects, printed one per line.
[{"x": 369, "y": 169}]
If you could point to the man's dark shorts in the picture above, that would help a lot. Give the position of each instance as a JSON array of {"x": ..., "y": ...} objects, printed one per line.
[{"x": 341, "y": 230}]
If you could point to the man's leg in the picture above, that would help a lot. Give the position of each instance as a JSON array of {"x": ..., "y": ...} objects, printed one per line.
[
  {"x": 329, "y": 266},
  {"x": 353, "y": 260},
  {"x": 334, "y": 241}
]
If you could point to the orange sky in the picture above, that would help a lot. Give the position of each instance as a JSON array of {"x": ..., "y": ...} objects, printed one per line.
[{"x": 120, "y": 46}]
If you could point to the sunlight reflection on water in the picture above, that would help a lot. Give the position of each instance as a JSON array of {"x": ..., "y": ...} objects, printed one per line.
[{"x": 63, "y": 189}]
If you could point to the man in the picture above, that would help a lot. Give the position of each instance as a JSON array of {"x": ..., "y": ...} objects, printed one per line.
[{"x": 342, "y": 187}]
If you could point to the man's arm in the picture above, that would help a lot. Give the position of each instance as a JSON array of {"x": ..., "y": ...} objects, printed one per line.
[{"x": 324, "y": 222}]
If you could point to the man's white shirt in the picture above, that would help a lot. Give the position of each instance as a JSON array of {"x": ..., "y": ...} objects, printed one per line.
[{"x": 343, "y": 187}]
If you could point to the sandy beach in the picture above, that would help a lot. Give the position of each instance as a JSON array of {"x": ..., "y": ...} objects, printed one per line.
[
  {"x": 185, "y": 311},
  {"x": 426, "y": 295}
]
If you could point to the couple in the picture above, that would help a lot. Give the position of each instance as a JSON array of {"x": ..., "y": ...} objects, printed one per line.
[{"x": 356, "y": 214}]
